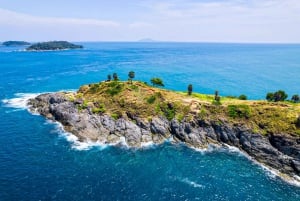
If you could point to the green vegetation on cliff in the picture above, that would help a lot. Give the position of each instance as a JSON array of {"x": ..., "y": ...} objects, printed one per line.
[{"x": 121, "y": 99}]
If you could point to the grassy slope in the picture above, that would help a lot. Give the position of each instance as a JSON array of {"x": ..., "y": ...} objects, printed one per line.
[{"x": 139, "y": 99}]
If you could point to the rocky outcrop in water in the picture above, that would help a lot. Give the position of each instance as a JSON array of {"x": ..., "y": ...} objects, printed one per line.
[{"x": 277, "y": 151}]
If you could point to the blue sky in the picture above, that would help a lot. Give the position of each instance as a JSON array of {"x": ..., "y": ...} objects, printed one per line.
[{"x": 163, "y": 20}]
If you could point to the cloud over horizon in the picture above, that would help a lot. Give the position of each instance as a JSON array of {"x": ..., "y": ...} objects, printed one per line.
[{"x": 176, "y": 20}]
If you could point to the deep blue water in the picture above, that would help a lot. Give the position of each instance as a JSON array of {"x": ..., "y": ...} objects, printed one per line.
[{"x": 38, "y": 163}]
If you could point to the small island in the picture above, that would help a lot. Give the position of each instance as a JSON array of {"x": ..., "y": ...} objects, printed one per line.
[
  {"x": 139, "y": 113},
  {"x": 53, "y": 45},
  {"x": 15, "y": 43}
]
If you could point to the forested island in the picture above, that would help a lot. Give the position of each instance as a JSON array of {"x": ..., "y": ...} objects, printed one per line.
[
  {"x": 53, "y": 45},
  {"x": 112, "y": 110},
  {"x": 15, "y": 43}
]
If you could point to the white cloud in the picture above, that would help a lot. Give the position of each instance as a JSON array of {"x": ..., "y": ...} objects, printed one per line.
[
  {"x": 172, "y": 20},
  {"x": 13, "y": 18}
]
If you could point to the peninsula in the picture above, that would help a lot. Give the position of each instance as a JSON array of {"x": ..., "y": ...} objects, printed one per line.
[
  {"x": 109, "y": 111},
  {"x": 15, "y": 43},
  {"x": 53, "y": 45}
]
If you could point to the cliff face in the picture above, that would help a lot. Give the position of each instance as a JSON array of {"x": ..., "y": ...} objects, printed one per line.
[{"x": 278, "y": 151}]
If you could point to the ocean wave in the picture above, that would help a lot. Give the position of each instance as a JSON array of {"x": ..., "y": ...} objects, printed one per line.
[{"x": 20, "y": 101}]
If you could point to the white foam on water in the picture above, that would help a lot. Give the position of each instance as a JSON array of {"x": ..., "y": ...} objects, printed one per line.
[
  {"x": 20, "y": 101},
  {"x": 74, "y": 140},
  {"x": 210, "y": 148},
  {"x": 147, "y": 144},
  {"x": 192, "y": 183}
]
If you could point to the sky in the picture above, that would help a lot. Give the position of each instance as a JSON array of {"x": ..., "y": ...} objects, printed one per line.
[{"x": 249, "y": 21}]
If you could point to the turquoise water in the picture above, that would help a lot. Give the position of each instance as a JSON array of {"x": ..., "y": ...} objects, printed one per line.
[{"x": 37, "y": 162}]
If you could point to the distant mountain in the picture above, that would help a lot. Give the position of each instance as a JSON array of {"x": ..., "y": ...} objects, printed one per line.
[
  {"x": 53, "y": 45},
  {"x": 148, "y": 40},
  {"x": 15, "y": 43}
]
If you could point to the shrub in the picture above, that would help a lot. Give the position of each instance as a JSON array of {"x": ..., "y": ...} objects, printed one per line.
[
  {"x": 243, "y": 97},
  {"x": 157, "y": 82},
  {"x": 94, "y": 88},
  {"x": 168, "y": 110},
  {"x": 241, "y": 111},
  {"x": 97, "y": 110},
  {"x": 215, "y": 102},
  {"x": 115, "y": 116},
  {"x": 115, "y": 88},
  {"x": 151, "y": 99}
]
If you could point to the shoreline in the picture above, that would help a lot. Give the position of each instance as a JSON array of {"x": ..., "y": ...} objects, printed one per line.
[{"x": 82, "y": 145}]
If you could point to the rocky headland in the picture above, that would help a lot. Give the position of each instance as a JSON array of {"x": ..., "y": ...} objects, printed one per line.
[{"x": 108, "y": 111}]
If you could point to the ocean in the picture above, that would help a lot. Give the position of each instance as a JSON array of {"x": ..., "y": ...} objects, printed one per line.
[{"x": 38, "y": 161}]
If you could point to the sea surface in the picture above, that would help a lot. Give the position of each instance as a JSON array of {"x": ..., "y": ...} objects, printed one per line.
[{"x": 38, "y": 161}]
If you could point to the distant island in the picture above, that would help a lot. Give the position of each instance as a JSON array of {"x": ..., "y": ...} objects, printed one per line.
[
  {"x": 53, "y": 45},
  {"x": 146, "y": 40},
  {"x": 15, "y": 43},
  {"x": 112, "y": 110}
]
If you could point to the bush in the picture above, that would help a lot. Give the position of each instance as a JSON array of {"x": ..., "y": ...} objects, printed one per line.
[
  {"x": 243, "y": 97},
  {"x": 151, "y": 99},
  {"x": 168, "y": 110},
  {"x": 94, "y": 88},
  {"x": 241, "y": 111},
  {"x": 115, "y": 88},
  {"x": 97, "y": 110},
  {"x": 157, "y": 82}
]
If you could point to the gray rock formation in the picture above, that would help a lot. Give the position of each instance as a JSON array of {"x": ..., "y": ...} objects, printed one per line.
[{"x": 276, "y": 151}]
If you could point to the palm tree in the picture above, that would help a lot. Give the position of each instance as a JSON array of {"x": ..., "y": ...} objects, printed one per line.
[{"x": 131, "y": 75}]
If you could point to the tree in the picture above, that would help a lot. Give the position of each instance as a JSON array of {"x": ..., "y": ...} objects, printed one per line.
[
  {"x": 131, "y": 75},
  {"x": 217, "y": 97},
  {"x": 295, "y": 98},
  {"x": 280, "y": 95},
  {"x": 115, "y": 76},
  {"x": 270, "y": 96},
  {"x": 243, "y": 97},
  {"x": 108, "y": 77},
  {"x": 157, "y": 82},
  {"x": 190, "y": 89}
]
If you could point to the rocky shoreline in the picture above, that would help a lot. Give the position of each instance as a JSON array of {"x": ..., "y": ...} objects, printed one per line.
[{"x": 277, "y": 151}]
